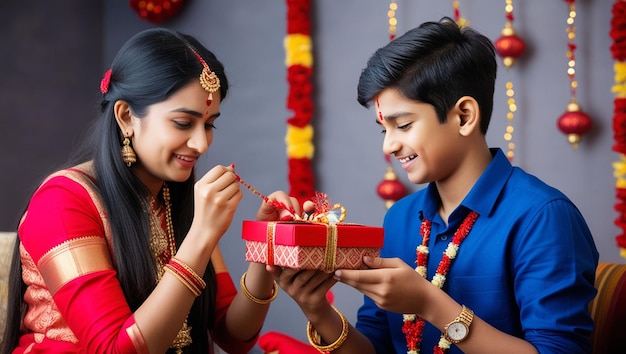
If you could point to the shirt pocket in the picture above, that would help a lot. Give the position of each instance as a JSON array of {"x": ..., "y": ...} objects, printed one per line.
[{"x": 489, "y": 297}]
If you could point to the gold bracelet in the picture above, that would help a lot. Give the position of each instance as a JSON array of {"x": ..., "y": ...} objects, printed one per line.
[
  {"x": 253, "y": 298},
  {"x": 315, "y": 339}
]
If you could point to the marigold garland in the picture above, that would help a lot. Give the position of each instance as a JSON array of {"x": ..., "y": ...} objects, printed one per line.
[
  {"x": 618, "y": 51},
  {"x": 299, "y": 136}
]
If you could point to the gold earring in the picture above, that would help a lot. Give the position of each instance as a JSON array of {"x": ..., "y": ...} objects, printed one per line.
[{"x": 128, "y": 154}]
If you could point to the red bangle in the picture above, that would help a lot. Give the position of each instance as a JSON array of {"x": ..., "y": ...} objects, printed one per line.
[{"x": 188, "y": 273}]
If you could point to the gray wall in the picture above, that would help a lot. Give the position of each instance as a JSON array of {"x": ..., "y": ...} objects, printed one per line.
[
  {"x": 50, "y": 60},
  {"x": 247, "y": 35}
]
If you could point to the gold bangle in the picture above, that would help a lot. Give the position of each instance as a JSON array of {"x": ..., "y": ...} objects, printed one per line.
[
  {"x": 253, "y": 298},
  {"x": 315, "y": 339}
]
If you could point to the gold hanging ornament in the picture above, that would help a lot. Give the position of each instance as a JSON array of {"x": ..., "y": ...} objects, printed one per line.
[
  {"x": 574, "y": 122},
  {"x": 509, "y": 47},
  {"x": 390, "y": 189}
]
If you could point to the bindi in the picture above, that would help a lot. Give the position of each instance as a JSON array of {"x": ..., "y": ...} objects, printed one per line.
[{"x": 380, "y": 114}]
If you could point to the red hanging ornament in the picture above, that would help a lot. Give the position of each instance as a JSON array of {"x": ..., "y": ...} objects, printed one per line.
[
  {"x": 390, "y": 188},
  {"x": 575, "y": 123},
  {"x": 156, "y": 11},
  {"x": 509, "y": 46}
]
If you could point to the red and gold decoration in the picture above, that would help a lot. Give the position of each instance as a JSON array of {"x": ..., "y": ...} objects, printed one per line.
[
  {"x": 156, "y": 11},
  {"x": 393, "y": 21},
  {"x": 299, "y": 136},
  {"x": 618, "y": 52},
  {"x": 574, "y": 122},
  {"x": 390, "y": 189},
  {"x": 509, "y": 47},
  {"x": 460, "y": 20}
]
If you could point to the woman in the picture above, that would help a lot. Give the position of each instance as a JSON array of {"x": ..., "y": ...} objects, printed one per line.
[{"x": 120, "y": 253}]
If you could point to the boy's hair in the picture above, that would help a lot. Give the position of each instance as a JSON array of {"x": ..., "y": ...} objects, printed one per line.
[{"x": 436, "y": 63}]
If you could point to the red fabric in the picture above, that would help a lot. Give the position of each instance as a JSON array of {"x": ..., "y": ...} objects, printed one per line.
[
  {"x": 226, "y": 292},
  {"x": 284, "y": 344},
  {"x": 91, "y": 309}
]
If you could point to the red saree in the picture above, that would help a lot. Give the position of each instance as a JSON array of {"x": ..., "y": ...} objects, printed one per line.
[{"x": 75, "y": 302}]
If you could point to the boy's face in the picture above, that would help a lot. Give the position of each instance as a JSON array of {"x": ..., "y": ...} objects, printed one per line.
[{"x": 428, "y": 150}]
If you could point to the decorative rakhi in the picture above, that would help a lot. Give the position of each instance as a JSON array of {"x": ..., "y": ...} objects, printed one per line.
[{"x": 323, "y": 211}]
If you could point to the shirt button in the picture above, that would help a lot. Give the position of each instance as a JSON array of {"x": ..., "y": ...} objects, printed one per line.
[{"x": 443, "y": 237}]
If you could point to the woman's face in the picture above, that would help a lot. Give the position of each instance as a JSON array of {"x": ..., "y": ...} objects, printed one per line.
[{"x": 173, "y": 134}]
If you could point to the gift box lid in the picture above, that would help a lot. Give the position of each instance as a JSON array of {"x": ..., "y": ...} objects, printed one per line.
[{"x": 295, "y": 233}]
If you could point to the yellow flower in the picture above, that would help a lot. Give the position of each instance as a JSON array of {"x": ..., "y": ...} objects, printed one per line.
[
  {"x": 299, "y": 142},
  {"x": 619, "y": 90},
  {"x": 298, "y": 50},
  {"x": 620, "y": 172},
  {"x": 620, "y": 71}
]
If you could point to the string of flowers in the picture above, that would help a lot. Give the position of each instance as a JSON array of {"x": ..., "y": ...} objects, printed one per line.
[
  {"x": 299, "y": 136},
  {"x": 618, "y": 51},
  {"x": 412, "y": 325}
]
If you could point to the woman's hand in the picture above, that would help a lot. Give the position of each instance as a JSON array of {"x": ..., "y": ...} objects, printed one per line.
[
  {"x": 277, "y": 207},
  {"x": 216, "y": 197}
]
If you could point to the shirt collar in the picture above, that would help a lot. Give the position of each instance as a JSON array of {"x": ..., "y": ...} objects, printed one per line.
[{"x": 483, "y": 195}]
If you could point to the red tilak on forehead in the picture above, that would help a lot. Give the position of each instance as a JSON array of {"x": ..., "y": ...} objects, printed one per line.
[{"x": 380, "y": 114}]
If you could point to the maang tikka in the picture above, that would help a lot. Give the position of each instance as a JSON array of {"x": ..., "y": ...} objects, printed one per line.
[
  {"x": 128, "y": 154},
  {"x": 209, "y": 81}
]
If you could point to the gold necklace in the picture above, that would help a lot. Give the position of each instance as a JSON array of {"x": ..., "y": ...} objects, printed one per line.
[{"x": 163, "y": 247}]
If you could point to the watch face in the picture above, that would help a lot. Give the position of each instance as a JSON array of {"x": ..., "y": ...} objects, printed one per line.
[{"x": 457, "y": 331}]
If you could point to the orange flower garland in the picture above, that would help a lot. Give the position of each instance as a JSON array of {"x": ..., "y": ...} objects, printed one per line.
[
  {"x": 618, "y": 51},
  {"x": 299, "y": 137}
]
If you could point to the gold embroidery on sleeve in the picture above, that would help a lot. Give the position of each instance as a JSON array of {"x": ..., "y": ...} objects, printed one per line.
[
  {"x": 72, "y": 259},
  {"x": 137, "y": 338}
]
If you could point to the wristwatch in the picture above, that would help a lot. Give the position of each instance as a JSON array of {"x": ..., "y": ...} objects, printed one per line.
[{"x": 457, "y": 330}]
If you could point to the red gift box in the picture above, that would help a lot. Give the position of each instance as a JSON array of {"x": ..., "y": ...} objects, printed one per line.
[{"x": 306, "y": 245}]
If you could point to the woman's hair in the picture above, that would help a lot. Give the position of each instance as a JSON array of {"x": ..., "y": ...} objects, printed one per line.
[
  {"x": 436, "y": 63},
  {"x": 148, "y": 69}
]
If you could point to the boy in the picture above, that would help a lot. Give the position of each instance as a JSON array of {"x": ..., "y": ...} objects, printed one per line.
[{"x": 486, "y": 258}]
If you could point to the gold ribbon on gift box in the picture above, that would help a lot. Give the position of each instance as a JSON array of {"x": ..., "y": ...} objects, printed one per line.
[
  {"x": 329, "y": 219},
  {"x": 330, "y": 252}
]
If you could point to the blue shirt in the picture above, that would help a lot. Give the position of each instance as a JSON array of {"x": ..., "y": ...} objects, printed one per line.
[{"x": 527, "y": 266}]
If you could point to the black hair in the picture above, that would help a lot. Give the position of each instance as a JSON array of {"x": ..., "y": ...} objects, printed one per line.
[
  {"x": 436, "y": 63},
  {"x": 149, "y": 68}
]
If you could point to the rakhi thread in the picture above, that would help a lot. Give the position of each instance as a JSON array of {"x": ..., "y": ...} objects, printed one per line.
[{"x": 275, "y": 203}]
